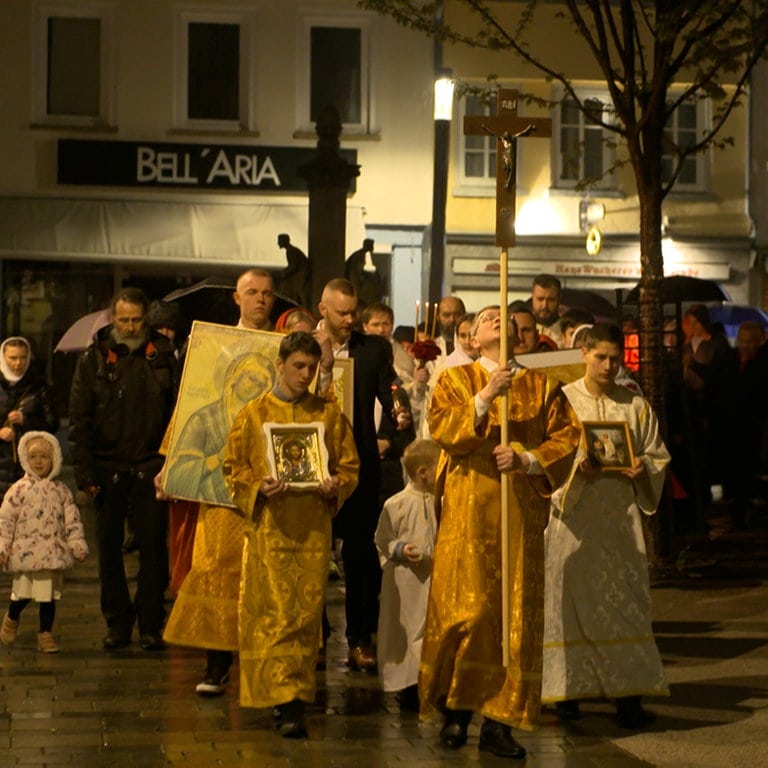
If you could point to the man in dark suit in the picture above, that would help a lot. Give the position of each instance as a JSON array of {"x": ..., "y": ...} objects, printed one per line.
[{"x": 357, "y": 519}]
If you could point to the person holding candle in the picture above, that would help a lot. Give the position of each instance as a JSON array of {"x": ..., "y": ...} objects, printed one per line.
[
  {"x": 378, "y": 319},
  {"x": 449, "y": 310}
]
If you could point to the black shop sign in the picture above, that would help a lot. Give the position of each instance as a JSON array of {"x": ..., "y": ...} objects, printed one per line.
[{"x": 199, "y": 166}]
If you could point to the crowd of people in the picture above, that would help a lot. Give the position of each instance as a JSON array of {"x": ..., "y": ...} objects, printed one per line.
[
  {"x": 415, "y": 487},
  {"x": 718, "y": 426}
]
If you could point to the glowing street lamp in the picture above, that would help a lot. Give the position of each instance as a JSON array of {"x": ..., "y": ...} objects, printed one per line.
[
  {"x": 444, "y": 87},
  {"x": 443, "y": 112}
]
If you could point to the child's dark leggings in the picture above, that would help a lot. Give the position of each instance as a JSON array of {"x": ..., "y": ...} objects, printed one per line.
[{"x": 47, "y": 612}]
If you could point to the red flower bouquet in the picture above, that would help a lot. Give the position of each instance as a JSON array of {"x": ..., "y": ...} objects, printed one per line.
[{"x": 425, "y": 351}]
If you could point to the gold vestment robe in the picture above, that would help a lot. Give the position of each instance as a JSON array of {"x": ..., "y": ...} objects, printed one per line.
[
  {"x": 204, "y": 613},
  {"x": 461, "y": 661},
  {"x": 287, "y": 551}
]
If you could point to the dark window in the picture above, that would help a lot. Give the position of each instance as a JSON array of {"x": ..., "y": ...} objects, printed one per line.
[
  {"x": 213, "y": 72},
  {"x": 683, "y": 131},
  {"x": 582, "y": 149},
  {"x": 336, "y": 77},
  {"x": 74, "y": 76}
]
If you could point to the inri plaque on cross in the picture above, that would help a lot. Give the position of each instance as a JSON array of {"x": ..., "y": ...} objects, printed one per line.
[{"x": 507, "y": 127}]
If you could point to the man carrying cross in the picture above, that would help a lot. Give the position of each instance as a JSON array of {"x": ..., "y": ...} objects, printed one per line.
[{"x": 502, "y": 457}]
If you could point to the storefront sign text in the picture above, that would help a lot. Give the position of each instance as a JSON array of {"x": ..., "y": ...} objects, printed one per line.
[{"x": 207, "y": 166}]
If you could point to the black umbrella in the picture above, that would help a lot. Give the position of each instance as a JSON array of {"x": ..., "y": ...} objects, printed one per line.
[
  {"x": 591, "y": 301},
  {"x": 677, "y": 289},
  {"x": 211, "y": 300}
]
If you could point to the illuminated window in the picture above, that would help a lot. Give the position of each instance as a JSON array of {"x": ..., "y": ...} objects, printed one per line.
[{"x": 632, "y": 351}]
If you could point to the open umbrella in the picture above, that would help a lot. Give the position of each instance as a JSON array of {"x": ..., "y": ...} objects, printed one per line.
[
  {"x": 677, "y": 289},
  {"x": 210, "y": 300},
  {"x": 591, "y": 301},
  {"x": 733, "y": 315},
  {"x": 80, "y": 334}
]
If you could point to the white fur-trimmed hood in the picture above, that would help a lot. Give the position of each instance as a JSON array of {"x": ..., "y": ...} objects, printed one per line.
[{"x": 51, "y": 440}]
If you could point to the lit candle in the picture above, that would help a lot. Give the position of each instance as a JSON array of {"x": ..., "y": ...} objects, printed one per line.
[
  {"x": 434, "y": 321},
  {"x": 416, "y": 325}
]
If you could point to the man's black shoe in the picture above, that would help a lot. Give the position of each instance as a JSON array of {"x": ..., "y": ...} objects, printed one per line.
[
  {"x": 496, "y": 738},
  {"x": 630, "y": 713},
  {"x": 290, "y": 720},
  {"x": 115, "y": 640},
  {"x": 568, "y": 710},
  {"x": 152, "y": 642},
  {"x": 454, "y": 732},
  {"x": 408, "y": 699}
]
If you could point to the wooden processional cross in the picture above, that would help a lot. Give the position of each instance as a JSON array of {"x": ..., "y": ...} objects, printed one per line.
[{"x": 507, "y": 127}]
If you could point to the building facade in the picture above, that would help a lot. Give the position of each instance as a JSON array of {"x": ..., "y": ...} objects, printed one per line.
[
  {"x": 157, "y": 142},
  {"x": 711, "y": 218}
]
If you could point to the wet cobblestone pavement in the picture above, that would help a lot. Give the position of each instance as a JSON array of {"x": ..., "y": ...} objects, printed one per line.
[{"x": 138, "y": 709}]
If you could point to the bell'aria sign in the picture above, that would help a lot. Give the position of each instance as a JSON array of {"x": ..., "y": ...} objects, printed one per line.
[{"x": 201, "y": 166}]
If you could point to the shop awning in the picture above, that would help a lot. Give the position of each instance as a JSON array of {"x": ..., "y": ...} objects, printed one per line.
[{"x": 210, "y": 233}]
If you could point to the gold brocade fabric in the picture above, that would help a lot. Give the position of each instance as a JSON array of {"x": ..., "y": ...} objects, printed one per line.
[
  {"x": 461, "y": 661},
  {"x": 204, "y": 614},
  {"x": 286, "y": 557}
]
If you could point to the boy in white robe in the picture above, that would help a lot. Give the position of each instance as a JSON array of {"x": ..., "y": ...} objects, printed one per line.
[
  {"x": 598, "y": 640},
  {"x": 405, "y": 538}
]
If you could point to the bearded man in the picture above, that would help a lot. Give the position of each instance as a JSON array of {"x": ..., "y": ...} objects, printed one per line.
[{"x": 122, "y": 396}]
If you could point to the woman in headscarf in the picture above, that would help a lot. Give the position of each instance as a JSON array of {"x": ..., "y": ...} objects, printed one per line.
[{"x": 25, "y": 404}]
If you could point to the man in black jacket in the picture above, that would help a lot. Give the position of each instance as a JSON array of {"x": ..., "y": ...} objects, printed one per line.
[
  {"x": 122, "y": 397},
  {"x": 357, "y": 519}
]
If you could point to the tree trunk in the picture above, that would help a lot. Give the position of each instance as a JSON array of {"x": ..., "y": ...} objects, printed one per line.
[{"x": 658, "y": 528}]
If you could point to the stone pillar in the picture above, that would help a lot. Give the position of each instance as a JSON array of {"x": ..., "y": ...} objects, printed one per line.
[{"x": 328, "y": 176}]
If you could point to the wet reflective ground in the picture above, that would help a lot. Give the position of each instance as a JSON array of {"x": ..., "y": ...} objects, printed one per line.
[{"x": 138, "y": 709}]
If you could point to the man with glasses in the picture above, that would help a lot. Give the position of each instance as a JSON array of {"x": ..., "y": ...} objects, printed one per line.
[{"x": 462, "y": 669}]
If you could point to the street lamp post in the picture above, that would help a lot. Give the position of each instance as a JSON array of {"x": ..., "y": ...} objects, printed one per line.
[{"x": 443, "y": 110}]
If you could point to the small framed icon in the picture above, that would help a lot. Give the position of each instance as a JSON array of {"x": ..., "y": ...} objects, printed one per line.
[
  {"x": 296, "y": 453},
  {"x": 609, "y": 444}
]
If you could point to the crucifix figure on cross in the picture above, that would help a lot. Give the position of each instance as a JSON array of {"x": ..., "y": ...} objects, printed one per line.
[
  {"x": 509, "y": 153},
  {"x": 507, "y": 127}
]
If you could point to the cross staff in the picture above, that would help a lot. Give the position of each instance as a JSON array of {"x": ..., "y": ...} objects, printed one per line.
[{"x": 507, "y": 127}]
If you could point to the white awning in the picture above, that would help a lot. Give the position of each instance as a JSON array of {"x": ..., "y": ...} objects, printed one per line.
[{"x": 225, "y": 234}]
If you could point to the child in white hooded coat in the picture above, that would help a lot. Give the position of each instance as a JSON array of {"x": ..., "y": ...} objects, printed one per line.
[{"x": 40, "y": 536}]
